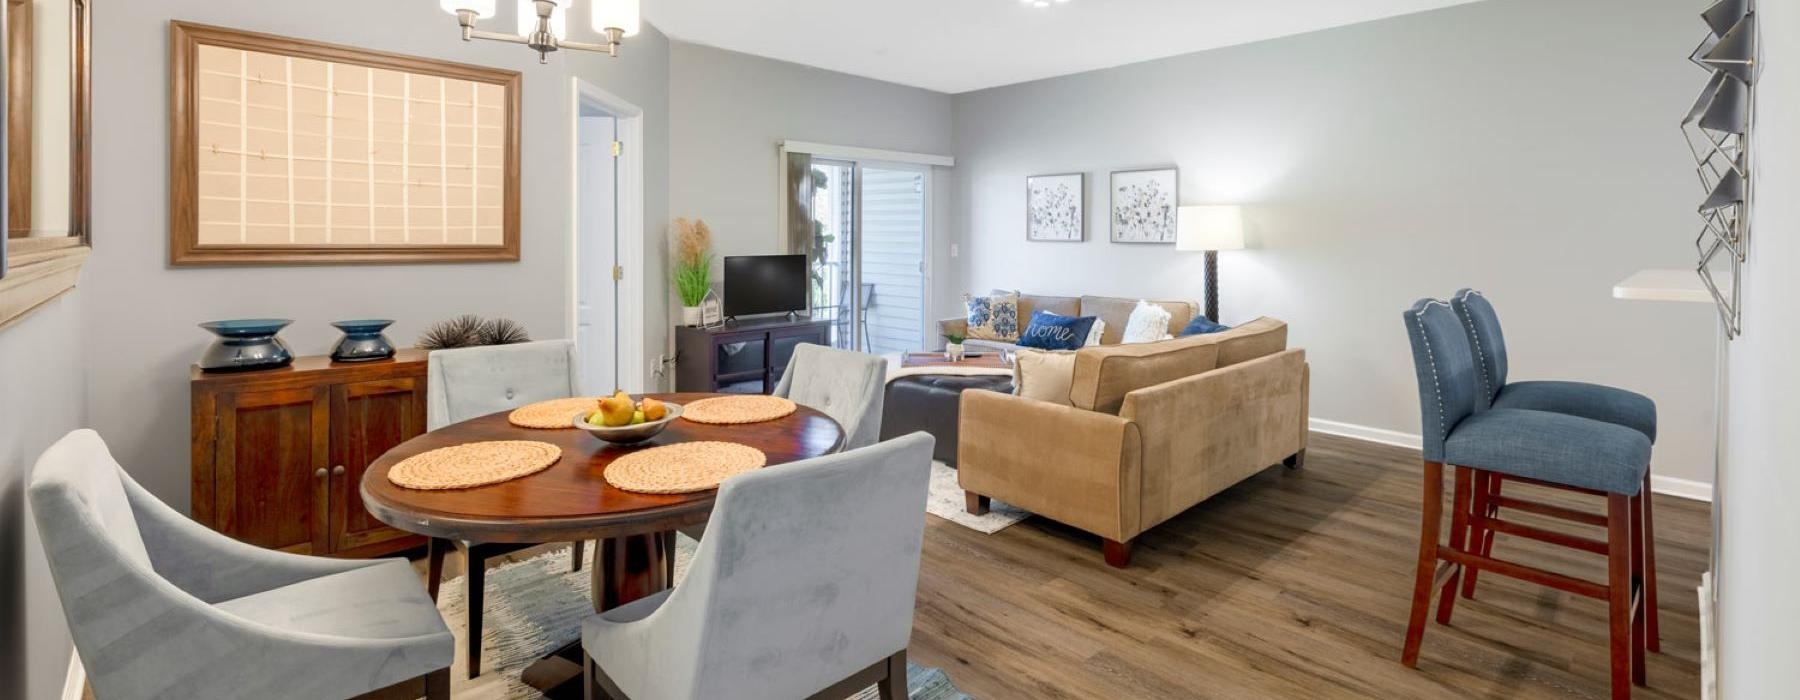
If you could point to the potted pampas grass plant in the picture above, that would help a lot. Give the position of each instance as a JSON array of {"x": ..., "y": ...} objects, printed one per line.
[{"x": 692, "y": 268}]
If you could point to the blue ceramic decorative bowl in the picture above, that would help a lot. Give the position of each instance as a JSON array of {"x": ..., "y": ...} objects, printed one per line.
[
  {"x": 362, "y": 341},
  {"x": 246, "y": 344}
]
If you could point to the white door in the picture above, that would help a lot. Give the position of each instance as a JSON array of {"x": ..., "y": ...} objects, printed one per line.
[
  {"x": 892, "y": 251},
  {"x": 596, "y": 253}
]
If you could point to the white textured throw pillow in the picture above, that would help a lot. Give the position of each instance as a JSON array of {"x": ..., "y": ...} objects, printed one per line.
[
  {"x": 1044, "y": 375},
  {"x": 1148, "y": 323},
  {"x": 1095, "y": 333}
]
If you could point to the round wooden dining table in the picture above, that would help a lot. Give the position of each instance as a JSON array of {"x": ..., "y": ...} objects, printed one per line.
[{"x": 572, "y": 502}]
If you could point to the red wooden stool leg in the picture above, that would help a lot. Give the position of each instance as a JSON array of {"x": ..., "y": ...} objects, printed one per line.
[
  {"x": 1429, "y": 523},
  {"x": 1459, "y": 532},
  {"x": 1654, "y": 634},
  {"x": 1487, "y": 485},
  {"x": 1618, "y": 592},
  {"x": 1639, "y": 616}
]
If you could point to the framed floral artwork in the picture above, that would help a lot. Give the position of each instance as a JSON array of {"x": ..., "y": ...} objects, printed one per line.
[
  {"x": 1143, "y": 205},
  {"x": 1054, "y": 208}
]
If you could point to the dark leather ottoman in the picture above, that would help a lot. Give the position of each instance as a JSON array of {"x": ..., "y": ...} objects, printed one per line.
[{"x": 929, "y": 403}]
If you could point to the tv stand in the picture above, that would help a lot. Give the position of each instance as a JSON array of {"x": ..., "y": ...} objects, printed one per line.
[{"x": 745, "y": 357}]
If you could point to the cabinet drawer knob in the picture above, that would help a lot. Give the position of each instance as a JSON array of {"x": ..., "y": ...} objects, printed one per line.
[
  {"x": 337, "y": 470},
  {"x": 319, "y": 474}
]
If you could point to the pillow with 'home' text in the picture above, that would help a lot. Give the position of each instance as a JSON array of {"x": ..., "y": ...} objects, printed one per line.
[{"x": 1050, "y": 331}]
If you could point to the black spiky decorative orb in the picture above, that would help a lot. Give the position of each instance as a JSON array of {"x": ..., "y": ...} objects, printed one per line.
[
  {"x": 503, "y": 331},
  {"x": 460, "y": 332}
]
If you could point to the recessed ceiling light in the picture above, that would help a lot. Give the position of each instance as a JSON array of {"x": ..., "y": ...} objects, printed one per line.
[{"x": 1040, "y": 3}]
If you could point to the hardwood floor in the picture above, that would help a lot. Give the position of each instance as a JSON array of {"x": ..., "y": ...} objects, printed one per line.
[{"x": 1291, "y": 584}]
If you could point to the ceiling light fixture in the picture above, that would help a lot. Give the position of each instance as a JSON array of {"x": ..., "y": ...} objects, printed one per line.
[
  {"x": 543, "y": 24},
  {"x": 1040, "y": 4}
]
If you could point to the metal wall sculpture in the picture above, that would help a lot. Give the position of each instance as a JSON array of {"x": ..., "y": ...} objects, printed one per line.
[{"x": 1718, "y": 131}]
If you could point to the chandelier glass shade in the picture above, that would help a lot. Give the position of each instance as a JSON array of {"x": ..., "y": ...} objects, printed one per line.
[{"x": 543, "y": 25}]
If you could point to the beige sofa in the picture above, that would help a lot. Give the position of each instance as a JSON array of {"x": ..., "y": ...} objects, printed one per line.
[
  {"x": 1115, "y": 311},
  {"x": 1154, "y": 429}
]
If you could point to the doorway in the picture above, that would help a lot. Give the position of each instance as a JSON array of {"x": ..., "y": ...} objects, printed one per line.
[
  {"x": 606, "y": 280},
  {"x": 869, "y": 263}
]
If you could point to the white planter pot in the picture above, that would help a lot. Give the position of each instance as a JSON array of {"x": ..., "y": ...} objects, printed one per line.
[
  {"x": 953, "y": 352},
  {"x": 691, "y": 316}
]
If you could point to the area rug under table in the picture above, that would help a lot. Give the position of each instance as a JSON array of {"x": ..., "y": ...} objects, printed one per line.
[{"x": 536, "y": 605}]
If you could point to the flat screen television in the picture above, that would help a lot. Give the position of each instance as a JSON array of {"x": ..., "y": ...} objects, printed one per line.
[{"x": 765, "y": 284}]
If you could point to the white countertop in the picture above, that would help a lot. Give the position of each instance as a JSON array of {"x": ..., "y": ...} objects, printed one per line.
[{"x": 1663, "y": 285}]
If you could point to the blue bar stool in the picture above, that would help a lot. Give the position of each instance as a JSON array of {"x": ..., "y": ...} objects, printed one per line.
[
  {"x": 1544, "y": 447},
  {"x": 1596, "y": 401}
]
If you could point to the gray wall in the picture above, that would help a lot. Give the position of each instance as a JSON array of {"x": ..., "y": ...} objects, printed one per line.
[
  {"x": 41, "y": 389},
  {"x": 1526, "y": 148},
  {"x": 1761, "y": 528},
  {"x": 728, "y": 111},
  {"x": 146, "y": 310}
]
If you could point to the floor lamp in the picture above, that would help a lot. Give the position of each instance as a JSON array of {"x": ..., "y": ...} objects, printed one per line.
[{"x": 1210, "y": 229}]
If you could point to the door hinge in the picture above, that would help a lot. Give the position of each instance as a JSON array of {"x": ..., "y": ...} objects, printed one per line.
[
  {"x": 618, "y": 273},
  {"x": 618, "y": 148}
]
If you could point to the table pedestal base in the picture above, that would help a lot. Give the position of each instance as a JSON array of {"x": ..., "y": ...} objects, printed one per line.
[{"x": 625, "y": 569}]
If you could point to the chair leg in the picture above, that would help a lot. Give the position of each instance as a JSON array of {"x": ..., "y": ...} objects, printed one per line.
[
  {"x": 434, "y": 564},
  {"x": 1118, "y": 554},
  {"x": 577, "y": 551},
  {"x": 437, "y": 685},
  {"x": 1429, "y": 523},
  {"x": 893, "y": 685},
  {"x": 477, "y": 581},
  {"x": 1653, "y": 634},
  {"x": 1459, "y": 532},
  {"x": 1638, "y": 615},
  {"x": 1618, "y": 592},
  {"x": 1481, "y": 539},
  {"x": 975, "y": 503},
  {"x": 669, "y": 541}
]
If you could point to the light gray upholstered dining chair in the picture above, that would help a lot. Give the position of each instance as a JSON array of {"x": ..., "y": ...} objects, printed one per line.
[
  {"x": 160, "y": 606},
  {"x": 465, "y": 383},
  {"x": 804, "y": 588},
  {"x": 848, "y": 386}
]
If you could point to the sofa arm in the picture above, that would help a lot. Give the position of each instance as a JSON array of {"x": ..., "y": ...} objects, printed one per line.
[
  {"x": 1204, "y": 433},
  {"x": 952, "y": 326},
  {"x": 1074, "y": 466}
]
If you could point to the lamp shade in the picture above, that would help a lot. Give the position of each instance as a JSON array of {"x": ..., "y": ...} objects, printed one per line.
[
  {"x": 1214, "y": 227},
  {"x": 482, "y": 8},
  {"x": 615, "y": 14},
  {"x": 528, "y": 18}
]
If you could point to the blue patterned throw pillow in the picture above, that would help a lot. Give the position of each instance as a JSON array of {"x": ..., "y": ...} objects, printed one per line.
[
  {"x": 1202, "y": 324},
  {"x": 1050, "y": 331},
  {"x": 994, "y": 317}
]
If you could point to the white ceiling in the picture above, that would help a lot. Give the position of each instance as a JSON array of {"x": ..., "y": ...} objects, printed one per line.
[{"x": 960, "y": 45}]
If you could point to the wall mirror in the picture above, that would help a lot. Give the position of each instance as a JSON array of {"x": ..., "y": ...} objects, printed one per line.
[{"x": 47, "y": 104}]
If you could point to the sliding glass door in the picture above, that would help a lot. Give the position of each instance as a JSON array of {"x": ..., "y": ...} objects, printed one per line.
[{"x": 870, "y": 237}]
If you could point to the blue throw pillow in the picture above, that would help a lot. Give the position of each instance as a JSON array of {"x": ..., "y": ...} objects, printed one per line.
[
  {"x": 1202, "y": 324},
  {"x": 1050, "y": 331}
]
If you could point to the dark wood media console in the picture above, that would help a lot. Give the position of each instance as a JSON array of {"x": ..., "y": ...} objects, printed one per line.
[{"x": 742, "y": 357}]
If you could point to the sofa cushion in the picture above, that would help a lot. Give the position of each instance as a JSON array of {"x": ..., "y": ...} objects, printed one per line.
[
  {"x": 1105, "y": 374},
  {"x": 1043, "y": 376},
  {"x": 994, "y": 317},
  {"x": 1116, "y": 312},
  {"x": 1248, "y": 341},
  {"x": 1061, "y": 306},
  {"x": 1051, "y": 331}
]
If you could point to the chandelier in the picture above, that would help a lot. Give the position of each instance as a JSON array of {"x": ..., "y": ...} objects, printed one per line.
[{"x": 543, "y": 24}]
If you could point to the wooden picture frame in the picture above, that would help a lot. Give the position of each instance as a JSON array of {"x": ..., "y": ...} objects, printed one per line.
[{"x": 339, "y": 234}]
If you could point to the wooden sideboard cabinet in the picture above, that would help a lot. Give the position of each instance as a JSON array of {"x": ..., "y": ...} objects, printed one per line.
[
  {"x": 279, "y": 454},
  {"x": 744, "y": 357}
]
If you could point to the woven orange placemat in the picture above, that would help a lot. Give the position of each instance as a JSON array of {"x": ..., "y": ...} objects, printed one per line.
[
  {"x": 473, "y": 464},
  {"x": 731, "y": 410},
  {"x": 683, "y": 467},
  {"x": 552, "y": 414}
]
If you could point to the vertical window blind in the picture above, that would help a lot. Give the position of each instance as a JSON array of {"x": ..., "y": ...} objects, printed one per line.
[{"x": 301, "y": 151}]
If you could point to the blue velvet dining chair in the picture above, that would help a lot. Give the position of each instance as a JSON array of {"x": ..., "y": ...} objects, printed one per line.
[
  {"x": 1540, "y": 447},
  {"x": 1596, "y": 401}
]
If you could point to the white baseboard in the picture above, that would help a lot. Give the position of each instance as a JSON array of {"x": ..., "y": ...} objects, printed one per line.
[
  {"x": 1666, "y": 485},
  {"x": 76, "y": 680},
  {"x": 1365, "y": 433}
]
